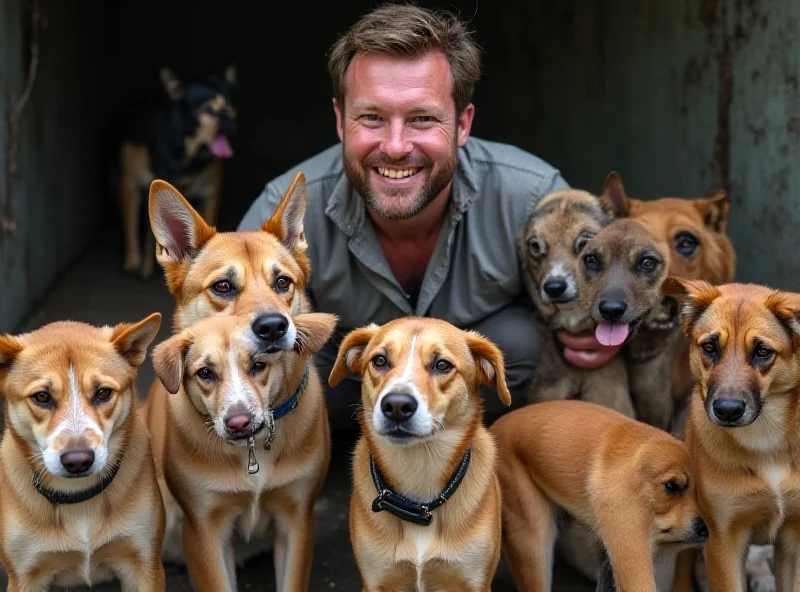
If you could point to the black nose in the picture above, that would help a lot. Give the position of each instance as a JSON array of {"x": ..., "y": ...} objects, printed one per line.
[
  {"x": 77, "y": 461},
  {"x": 271, "y": 326},
  {"x": 555, "y": 287},
  {"x": 728, "y": 410},
  {"x": 612, "y": 310},
  {"x": 398, "y": 406},
  {"x": 700, "y": 528}
]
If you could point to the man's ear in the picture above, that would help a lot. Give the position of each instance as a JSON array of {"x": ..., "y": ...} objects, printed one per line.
[
  {"x": 131, "y": 340},
  {"x": 694, "y": 297},
  {"x": 489, "y": 364},
  {"x": 168, "y": 361},
  {"x": 351, "y": 351}
]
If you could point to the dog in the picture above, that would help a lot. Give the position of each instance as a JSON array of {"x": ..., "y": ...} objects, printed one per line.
[
  {"x": 425, "y": 507},
  {"x": 183, "y": 139},
  {"x": 628, "y": 482},
  {"x": 242, "y": 437},
  {"x": 741, "y": 427},
  {"x": 210, "y": 273},
  {"x": 79, "y": 502},
  {"x": 552, "y": 240}
]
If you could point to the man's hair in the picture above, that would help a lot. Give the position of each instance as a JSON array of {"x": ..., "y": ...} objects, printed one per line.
[{"x": 409, "y": 31}]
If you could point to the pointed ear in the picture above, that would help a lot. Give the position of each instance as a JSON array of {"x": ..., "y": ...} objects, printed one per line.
[
  {"x": 694, "y": 296},
  {"x": 287, "y": 221},
  {"x": 313, "y": 331},
  {"x": 786, "y": 308},
  {"x": 131, "y": 340},
  {"x": 489, "y": 364},
  {"x": 10, "y": 348},
  {"x": 714, "y": 209},
  {"x": 179, "y": 230},
  {"x": 168, "y": 361},
  {"x": 171, "y": 83},
  {"x": 349, "y": 358},
  {"x": 612, "y": 197}
]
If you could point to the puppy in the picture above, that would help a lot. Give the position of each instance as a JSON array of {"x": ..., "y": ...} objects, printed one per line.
[
  {"x": 552, "y": 240},
  {"x": 79, "y": 502},
  {"x": 742, "y": 424},
  {"x": 243, "y": 438},
  {"x": 425, "y": 508},
  {"x": 629, "y": 483}
]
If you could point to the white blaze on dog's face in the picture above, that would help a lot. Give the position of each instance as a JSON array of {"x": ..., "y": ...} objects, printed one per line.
[
  {"x": 70, "y": 386},
  {"x": 230, "y": 372},
  {"x": 420, "y": 376}
]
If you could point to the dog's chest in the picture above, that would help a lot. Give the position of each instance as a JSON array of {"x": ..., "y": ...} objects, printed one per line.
[{"x": 776, "y": 496}]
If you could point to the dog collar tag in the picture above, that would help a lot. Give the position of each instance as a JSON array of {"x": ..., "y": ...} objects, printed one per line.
[{"x": 252, "y": 462}]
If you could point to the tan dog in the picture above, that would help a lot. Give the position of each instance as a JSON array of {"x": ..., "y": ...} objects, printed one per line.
[
  {"x": 246, "y": 438},
  {"x": 425, "y": 508},
  {"x": 79, "y": 501},
  {"x": 628, "y": 482},
  {"x": 742, "y": 425}
]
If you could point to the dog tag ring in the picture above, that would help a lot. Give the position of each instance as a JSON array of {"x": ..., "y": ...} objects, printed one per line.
[{"x": 252, "y": 463}]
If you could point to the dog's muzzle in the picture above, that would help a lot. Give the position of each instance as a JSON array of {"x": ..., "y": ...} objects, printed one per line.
[{"x": 272, "y": 329}]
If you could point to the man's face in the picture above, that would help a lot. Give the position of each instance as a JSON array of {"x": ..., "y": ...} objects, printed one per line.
[{"x": 400, "y": 130}]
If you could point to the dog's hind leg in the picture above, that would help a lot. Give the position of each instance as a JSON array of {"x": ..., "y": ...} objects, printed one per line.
[
  {"x": 787, "y": 557},
  {"x": 294, "y": 546},
  {"x": 211, "y": 207},
  {"x": 133, "y": 165}
]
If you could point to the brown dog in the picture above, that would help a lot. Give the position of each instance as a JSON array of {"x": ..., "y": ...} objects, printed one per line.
[
  {"x": 243, "y": 440},
  {"x": 425, "y": 508},
  {"x": 742, "y": 425},
  {"x": 79, "y": 502},
  {"x": 628, "y": 482}
]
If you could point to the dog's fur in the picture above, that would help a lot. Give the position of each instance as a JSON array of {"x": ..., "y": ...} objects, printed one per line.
[
  {"x": 70, "y": 389},
  {"x": 629, "y": 483},
  {"x": 223, "y": 369},
  {"x": 181, "y": 139},
  {"x": 460, "y": 549},
  {"x": 742, "y": 425}
]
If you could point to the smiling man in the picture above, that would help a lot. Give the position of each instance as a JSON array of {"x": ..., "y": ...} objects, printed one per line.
[{"x": 409, "y": 215}]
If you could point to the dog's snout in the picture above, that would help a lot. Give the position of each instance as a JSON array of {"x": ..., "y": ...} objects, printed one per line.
[
  {"x": 239, "y": 424},
  {"x": 271, "y": 326},
  {"x": 399, "y": 406},
  {"x": 728, "y": 410},
  {"x": 700, "y": 529},
  {"x": 77, "y": 461},
  {"x": 555, "y": 287},
  {"x": 612, "y": 310}
]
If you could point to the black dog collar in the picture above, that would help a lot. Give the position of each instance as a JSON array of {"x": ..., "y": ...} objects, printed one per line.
[
  {"x": 409, "y": 510},
  {"x": 75, "y": 497}
]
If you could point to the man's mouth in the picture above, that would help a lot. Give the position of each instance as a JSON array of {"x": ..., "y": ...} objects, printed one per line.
[{"x": 397, "y": 173}]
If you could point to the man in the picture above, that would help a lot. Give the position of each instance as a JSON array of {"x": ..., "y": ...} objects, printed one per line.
[{"x": 411, "y": 216}]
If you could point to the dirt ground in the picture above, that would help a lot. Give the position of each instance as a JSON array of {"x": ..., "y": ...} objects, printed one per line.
[{"x": 96, "y": 291}]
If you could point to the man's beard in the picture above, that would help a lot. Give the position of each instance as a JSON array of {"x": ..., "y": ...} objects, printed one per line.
[{"x": 385, "y": 203}]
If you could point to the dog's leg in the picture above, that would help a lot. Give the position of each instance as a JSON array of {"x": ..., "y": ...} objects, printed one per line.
[
  {"x": 149, "y": 254},
  {"x": 605, "y": 576},
  {"x": 578, "y": 546},
  {"x": 206, "y": 556},
  {"x": 211, "y": 209},
  {"x": 787, "y": 558},
  {"x": 295, "y": 525},
  {"x": 129, "y": 194},
  {"x": 142, "y": 577},
  {"x": 684, "y": 571},
  {"x": 651, "y": 390},
  {"x": 608, "y": 386},
  {"x": 725, "y": 557}
]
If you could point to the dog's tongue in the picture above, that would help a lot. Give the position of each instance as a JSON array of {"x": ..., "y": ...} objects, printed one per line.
[
  {"x": 611, "y": 333},
  {"x": 221, "y": 148}
]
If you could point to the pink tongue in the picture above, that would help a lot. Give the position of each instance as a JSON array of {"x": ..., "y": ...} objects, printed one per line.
[
  {"x": 611, "y": 334},
  {"x": 221, "y": 148}
]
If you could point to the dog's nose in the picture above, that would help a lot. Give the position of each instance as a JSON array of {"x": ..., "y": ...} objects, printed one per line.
[
  {"x": 555, "y": 287},
  {"x": 77, "y": 461},
  {"x": 399, "y": 406},
  {"x": 728, "y": 410},
  {"x": 239, "y": 424},
  {"x": 271, "y": 326},
  {"x": 700, "y": 528},
  {"x": 612, "y": 310}
]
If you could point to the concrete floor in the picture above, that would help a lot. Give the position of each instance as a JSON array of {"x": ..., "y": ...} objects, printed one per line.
[{"x": 95, "y": 291}]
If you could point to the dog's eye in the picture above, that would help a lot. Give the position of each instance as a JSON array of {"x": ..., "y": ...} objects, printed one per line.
[
  {"x": 379, "y": 361},
  {"x": 259, "y": 366},
  {"x": 710, "y": 347},
  {"x": 686, "y": 244},
  {"x": 590, "y": 261},
  {"x": 42, "y": 398},
  {"x": 282, "y": 284},
  {"x": 222, "y": 287},
  {"x": 537, "y": 247},
  {"x": 648, "y": 263},
  {"x": 762, "y": 353},
  {"x": 205, "y": 373},
  {"x": 103, "y": 394},
  {"x": 442, "y": 366},
  {"x": 672, "y": 487}
]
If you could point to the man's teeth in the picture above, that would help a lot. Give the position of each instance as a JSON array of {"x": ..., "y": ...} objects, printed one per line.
[{"x": 396, "y": 173}]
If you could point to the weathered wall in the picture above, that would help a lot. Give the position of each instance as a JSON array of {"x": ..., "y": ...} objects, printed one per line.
[{"x": 52, "y": 208}]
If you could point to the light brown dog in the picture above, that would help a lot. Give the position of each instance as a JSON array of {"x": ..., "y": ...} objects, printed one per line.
[
  {"x": 425, "y": 508},
  {"x": 243, "y": 437},
  {"x": 742, "y": 425},
  {"x": 79, "y": 502},
  {"x": 628, "y": 482}
]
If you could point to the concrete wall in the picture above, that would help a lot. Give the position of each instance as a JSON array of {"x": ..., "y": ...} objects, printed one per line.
[{"x": 55, "y": 204}]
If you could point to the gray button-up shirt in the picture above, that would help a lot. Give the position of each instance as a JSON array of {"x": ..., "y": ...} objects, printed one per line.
[{"x": 475, "y": 268}]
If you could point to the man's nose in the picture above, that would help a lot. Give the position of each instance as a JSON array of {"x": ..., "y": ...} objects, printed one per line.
[{"x": 396, "y": 144}]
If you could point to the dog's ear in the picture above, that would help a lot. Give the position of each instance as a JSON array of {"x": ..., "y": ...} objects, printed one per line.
[
  {"x": 10, "y": 348},
  {"x": 349, "y": 358},
  {"x": 786, "y": 308},
  {"x": 172, "y": 84},
  {"x": 612, "y": 197},
  {"x": 287, "y": 221},
  {"x": 313, "y": 331},
  {"x": 179, "y": 230},
  {"x": 694, "y": 297},
  {"x": 168, "y": 361},
  {"x": 131, "y": 340},
  {"x": 714, "y": 209},
  {"x": 489, "y": 364}
]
